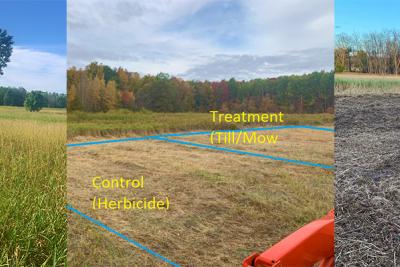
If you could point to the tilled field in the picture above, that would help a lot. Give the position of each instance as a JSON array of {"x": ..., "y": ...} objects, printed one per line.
[{"x": 367, "y": 151}]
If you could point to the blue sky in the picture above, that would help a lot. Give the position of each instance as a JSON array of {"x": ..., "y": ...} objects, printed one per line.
[
  {"x": 39, "y": 30},
  {"x": 203, "y": 39},
  {"x": 366, "y": 15},
  {"x": 36, "y": 24}
]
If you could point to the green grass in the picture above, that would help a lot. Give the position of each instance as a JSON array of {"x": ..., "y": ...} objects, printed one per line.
[
  {"x": 123, "y": 122},
  {"x": 353, "y": 84},
  {"x": 32, "y": 181},
  {"x": 46, "y": 115}
]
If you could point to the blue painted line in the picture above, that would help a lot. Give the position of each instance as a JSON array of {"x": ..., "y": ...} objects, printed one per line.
[
  {"x": 98, "y": 223},
  {"x": 108, "y": 141},
  {"x": 199, "y": 133},
  {"x": 241, "y": 152}
]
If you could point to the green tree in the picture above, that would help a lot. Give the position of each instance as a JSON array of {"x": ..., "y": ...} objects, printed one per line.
[
  {"x": 34, "y": 101},
  {"x": 6, "y": 42},
  {"x": 14, "y": 97},
  {"x": 61, "y": 101}
]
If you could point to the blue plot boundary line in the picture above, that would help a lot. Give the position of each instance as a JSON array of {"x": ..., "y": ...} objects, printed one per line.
[
  {"x": 241, "y": 152},
  {"x": 82, "y": 144},
  {"x": 133, "y": 242},
  {"x": 164, "y": 137}
]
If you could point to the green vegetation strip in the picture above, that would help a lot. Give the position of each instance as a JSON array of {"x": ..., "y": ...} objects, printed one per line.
[
  {"x": 46, "y": 115},
  {"x": 366, "y": 84},
  {"x": 124, "y": 122},
  {"x": 32, "y": 181}
]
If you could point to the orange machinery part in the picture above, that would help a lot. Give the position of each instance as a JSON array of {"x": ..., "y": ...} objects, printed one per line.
[{"x": 312, "y": 244}]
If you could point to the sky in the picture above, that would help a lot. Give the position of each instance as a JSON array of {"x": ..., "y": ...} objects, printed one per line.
[
  {"x": 203, "y": 39},
  {"x": 38, "y": 27},
  {"x": 361, "y": 16}
]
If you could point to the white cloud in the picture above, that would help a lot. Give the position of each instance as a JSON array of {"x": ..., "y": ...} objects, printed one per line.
[
  {"x": 35, "y": 70},
  {"x": 182, "y": 36},
  {"x": 246, "y": 67}
]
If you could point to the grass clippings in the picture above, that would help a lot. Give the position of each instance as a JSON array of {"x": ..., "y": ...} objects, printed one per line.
[{"x": 367, "y": 205}]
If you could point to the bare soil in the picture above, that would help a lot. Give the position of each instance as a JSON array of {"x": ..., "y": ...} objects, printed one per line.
[{"x": 367, "y": 205}]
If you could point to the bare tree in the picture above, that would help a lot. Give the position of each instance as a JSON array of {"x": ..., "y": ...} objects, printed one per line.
[{"x": 374, "y": 52}]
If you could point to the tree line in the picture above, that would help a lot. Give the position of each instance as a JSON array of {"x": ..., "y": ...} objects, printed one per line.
[
  {"x": 374, "y": 52},
  {"x": 98, "y": 87},
  {"x": 11, "y": 96}
]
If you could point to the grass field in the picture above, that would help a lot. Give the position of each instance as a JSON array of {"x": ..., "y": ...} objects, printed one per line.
[
  {"x": 223, "y": 206},
  {"x": 124, "y": 122},
  {"x": 32, "y": 182},
  {"x": 356, "y": 84}
]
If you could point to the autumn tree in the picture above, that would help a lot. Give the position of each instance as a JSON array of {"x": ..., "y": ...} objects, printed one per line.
[
  {"x": 73, "y": 100},
  {"x": 89, "y": 90},
  {"x": 127, "y": 99},
  {"x": 108, "y": 96},
  {"x": 94, "y": 88}
]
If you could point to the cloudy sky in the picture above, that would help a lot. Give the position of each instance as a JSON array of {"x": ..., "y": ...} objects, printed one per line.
[
  {"x": 38, "y": 27},
  {"x": 203, "y": 39}
]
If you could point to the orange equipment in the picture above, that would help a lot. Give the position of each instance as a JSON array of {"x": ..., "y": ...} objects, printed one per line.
[{"x": 311, "y": 245}]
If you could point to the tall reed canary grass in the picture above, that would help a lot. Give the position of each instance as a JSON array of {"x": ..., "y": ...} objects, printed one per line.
[
  {"x": 366, "y": 84},
  {"x": 32, "y": 183}
]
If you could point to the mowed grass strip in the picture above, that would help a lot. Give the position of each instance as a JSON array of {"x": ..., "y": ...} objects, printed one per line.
[
  {"x": 125, "y": 122},
  {"x": 357, "y": 84},
  {"x": 32, "y": 181}
]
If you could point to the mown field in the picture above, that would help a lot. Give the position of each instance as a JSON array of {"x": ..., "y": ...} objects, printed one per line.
[
  {"x": 125, "y": 122},
  {"x": 223, "y": 206},
  {"x": 357, "y": 84},
  {"x": 367, "y": 183},
  {"x": 32, "y": 181}
]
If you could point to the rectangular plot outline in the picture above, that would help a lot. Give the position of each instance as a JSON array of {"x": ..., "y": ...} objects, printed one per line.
[
  {"x": 164, "y": 137},
  {"x": 242, "y": 152},
  {"x": 149, "y": 137}
]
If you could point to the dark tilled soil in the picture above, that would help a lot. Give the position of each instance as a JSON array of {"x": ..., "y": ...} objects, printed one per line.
[{"x": 367, "y": 208}]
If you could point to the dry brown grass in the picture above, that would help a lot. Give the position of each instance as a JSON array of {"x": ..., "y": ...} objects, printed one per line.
[
  {"x": 223, "y": 206},
  {"x": 291, "y": 144},
  {"x": 366, "y": 76}
]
